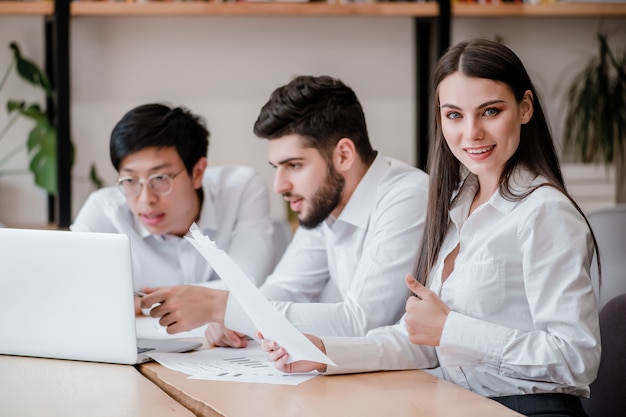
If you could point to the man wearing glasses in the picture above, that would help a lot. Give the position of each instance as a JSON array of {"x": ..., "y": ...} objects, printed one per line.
[{"x": 164, "y": 185}]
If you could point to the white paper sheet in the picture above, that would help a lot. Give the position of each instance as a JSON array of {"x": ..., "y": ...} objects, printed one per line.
[
  {"x": 267, "y": 319},
  {"x": 227, "y": 364}
]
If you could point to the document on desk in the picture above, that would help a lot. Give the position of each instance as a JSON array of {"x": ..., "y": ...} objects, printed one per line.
[
  {"x": 249, "y": 364},
  {"x": 264, "y": 315}
]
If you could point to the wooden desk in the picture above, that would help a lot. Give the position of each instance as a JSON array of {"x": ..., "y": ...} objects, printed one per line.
[
  {"x": 397, "y": 394},
  {"x": 50, "y": 387}
]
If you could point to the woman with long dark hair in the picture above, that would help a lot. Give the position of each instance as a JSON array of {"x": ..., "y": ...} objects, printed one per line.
[{"x": 503, "y": 302}]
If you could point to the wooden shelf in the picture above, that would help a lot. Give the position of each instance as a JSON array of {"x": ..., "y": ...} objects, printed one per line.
[
  {"x": 21, "y": 8},
  {"x": 560, "y": 9},
  {"x": 40, "y": 226},
  {"x": 429, "y": 9},
  {"x": 87, "y": 8}
]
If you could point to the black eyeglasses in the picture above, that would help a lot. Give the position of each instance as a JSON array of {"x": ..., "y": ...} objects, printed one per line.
[{"x": 159, "y": 183}]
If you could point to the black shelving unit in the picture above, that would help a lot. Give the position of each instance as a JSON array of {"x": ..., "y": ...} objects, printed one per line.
[
  {"x": 58, "y": 63},
  {"x": 61, "y": 41},
  {"x": 431, "y": 41}
]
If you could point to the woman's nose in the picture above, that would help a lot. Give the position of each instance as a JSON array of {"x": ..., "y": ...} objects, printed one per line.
[{"x": 473, "y": 129}]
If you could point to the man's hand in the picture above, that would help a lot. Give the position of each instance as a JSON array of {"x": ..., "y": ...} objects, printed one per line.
[
  {"x": 137, "y": 305},
  {"x": 185, "y": 307},
  {"x": 425, "y": 314},
  {"x": 218, "y": 335},
  {"x": 280, "y": 356}
]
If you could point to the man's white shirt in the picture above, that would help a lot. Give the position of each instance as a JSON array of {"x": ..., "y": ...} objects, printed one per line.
[
  {"x": 235, "y": 214},
  {"x": 366, "y": 252}
]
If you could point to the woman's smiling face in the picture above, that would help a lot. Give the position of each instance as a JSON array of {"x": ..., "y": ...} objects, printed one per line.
[{"x": 481, "y": 122}]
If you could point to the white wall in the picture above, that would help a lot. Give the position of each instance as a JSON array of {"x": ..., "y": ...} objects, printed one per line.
[{"x": 224, "y": 68}]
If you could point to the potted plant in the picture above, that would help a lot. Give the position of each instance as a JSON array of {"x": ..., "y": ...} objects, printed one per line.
[
  {"x": 595, "y": 119},
  {"x": 41, "y": 141}
]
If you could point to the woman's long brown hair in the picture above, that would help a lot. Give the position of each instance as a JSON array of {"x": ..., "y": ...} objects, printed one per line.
[{"x": 482, "y": 58}]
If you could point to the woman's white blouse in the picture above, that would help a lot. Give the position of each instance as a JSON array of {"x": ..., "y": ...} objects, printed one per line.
[{"x": 524, "y": 317}]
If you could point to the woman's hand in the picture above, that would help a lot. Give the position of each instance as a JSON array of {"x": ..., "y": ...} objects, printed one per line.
[
  {"x": 218, "y": 335},
  {"x": 426, "y": 314},
  {"x": 280, "y": 356}
]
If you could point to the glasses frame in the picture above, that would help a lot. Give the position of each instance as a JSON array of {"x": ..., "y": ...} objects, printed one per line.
[{"x": 143, "y": 181}]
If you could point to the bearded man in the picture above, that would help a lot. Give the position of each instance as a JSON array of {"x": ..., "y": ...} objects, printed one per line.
[{"x": 361, "y": 220}]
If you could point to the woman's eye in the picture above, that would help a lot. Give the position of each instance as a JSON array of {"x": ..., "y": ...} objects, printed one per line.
[
  {"x": 453, "y": 115},
  {"x": 491, "y": 112}
]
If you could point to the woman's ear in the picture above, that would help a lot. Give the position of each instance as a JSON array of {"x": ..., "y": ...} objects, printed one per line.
[
  {"x": 527, "y": 107},
  {"x": 198, "y": 172}
]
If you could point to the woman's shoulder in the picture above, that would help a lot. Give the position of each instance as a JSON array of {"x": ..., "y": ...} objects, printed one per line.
[
  {"x": 548, "y": 206},
  {"x": 535, "y": 188}
]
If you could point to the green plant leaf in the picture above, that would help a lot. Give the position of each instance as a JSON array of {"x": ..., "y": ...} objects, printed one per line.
[
  {"x": 41, "y": 146},
  {"x": 595, "y": 123},
  {"x": 41, "y": 141},
  {"x": 31, "y": 111},
  {"x": 29, "y": 71},
  {"x": 94, "y": 177}
]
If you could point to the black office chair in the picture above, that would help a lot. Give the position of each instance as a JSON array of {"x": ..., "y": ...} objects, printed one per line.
[{"x": 608, "y": 391}]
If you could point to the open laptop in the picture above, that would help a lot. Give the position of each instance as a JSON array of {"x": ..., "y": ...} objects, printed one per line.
[{"x": 69, "y": 295}]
